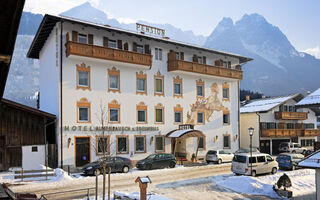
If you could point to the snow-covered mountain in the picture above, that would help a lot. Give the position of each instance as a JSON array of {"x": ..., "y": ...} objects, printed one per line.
[{"x": 278, "y": 68}]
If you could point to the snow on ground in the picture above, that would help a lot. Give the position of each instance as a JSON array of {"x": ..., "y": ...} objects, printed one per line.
[
  {"x": 134, "y": 195},
  {"x": 303, "y": 182}
]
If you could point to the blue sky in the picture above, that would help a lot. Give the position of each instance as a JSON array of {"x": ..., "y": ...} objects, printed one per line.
[{"x": 299, "y": 20}]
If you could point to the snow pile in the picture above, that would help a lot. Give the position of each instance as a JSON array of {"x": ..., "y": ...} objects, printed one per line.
[
  {"x": 303, "y": 182},
  {"x": 134, "y": 195}
]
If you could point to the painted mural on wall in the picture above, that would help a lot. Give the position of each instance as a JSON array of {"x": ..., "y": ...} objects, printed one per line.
[{"x": 208, "y": 106}]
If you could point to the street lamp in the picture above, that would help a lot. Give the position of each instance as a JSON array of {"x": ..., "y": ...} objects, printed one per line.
[{"x": 251, "y": 134}]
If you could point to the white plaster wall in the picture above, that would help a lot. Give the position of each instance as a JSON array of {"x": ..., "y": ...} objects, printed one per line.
[
  {"x": 32, "y": 160},
  {"x": 128, "y": 99}
]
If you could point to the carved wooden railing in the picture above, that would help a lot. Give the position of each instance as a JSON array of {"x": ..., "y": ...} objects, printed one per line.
[
  {"x": 312, "y": 132},
  {"x": 289, "y": 132},
  {"x": 291, "y": 115},
  {"x": 93, "y": 51},
  {"x": 175, "y": 64}
]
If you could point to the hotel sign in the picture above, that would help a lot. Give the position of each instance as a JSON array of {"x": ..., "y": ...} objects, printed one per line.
[
  {"x": 150, "y": 29},
  {"x": 110, "y": 128}
]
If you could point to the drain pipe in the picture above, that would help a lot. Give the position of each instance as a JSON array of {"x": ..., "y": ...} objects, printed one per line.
[{"x": 61, "y": 133}]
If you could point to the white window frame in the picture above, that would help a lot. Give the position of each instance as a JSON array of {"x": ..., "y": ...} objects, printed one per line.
[
  {"x": 145, "y": 83},
  {"x": 180, "y": 117},
  {"x": 88, "y": 114},
  {"x": 145, "y": 116},
  {"x": 88, "y": 74},
  {"x": 118, "y": 116},
  {"x": 111, "y": 88},
  {"x": 144, "y": 143},
  {"x": 202, "y": 117},
  {"x": 115, "y": 44},
  {"x": 174, "y": 89},
  {"x": 83, "y": 36}
]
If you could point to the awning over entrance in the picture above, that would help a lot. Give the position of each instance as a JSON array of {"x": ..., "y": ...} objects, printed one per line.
[{"x": 184, "y": 133}]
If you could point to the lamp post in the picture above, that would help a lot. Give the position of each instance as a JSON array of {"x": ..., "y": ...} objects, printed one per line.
[{"x": 251, "y": 134}]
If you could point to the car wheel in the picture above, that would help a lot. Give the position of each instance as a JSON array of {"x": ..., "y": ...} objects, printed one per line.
[
  {"x": 293, "y": 167},
  {"x": 294, "y": 151},
  {"x": 219, "y": 161},
  {"x": 254, "y": 173},
  {"x": 125, "y": 169},
  {"x": 172, "y": 165},
  {"x": 274, "y": 170},
  {"x": 208, "y": 162},
  {"x": 97, "y": 172},
  {"x": 304, "y": 152},
  {"x": 149, "y": 167}
]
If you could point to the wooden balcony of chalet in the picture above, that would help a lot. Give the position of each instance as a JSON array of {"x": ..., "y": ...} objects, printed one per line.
[
  {"x": 175, "y": 64},
  {"x": 291, "y": 115},
  {"x": 100, "y": 52},
  {"x": 280, "y": 133}
]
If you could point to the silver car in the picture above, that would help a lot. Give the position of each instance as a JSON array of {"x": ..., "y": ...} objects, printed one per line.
[{"x": 219, "y": 156}]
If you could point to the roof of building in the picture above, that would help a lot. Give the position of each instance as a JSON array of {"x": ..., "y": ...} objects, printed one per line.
[
  {"x": 10, "y": 14},
  {"x": 28, "y": 109},
  {"x": 312, "y": 99},
  {"x": 184, "y": 132},
  {"x": 49, "y": 21},
  {"x": 312, "y": 161},
  {"x": 266, "y": 104}
]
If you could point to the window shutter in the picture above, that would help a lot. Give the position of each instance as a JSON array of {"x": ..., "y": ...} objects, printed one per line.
[
  {"x": 105, "y": 41},
  {"x": 119, "y": 44},
  {"x": 74, "y": 36},
  {"x": 134, "y": 48},
  {"x": 195, "y": 58},
  {"x": 204, "y": 60},
  {"x": 126, "y": 46},
  {"x": 229, "y": 64},
  {"x": 147, "y": 49},
  {"x": 90, "y": 39},
  {"x": 218, "y": 63},
  {"x": 181, "y": 55}
]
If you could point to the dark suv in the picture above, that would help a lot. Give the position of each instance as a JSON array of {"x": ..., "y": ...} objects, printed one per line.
[{"x": 156, "y": 161}]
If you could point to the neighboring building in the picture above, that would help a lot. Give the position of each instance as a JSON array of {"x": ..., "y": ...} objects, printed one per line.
[
  {"x": 277, "y": 120},
  {"x": 313, "y": 162},
  {"x": 146, "y": 86}
]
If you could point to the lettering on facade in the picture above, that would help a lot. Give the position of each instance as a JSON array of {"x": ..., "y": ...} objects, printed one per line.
[
  {"x": 150, "y": 29},
  {"x": 110, "y": 128}
]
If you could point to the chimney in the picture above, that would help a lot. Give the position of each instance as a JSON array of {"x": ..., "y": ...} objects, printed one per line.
[{"x": 248, "y": 98}]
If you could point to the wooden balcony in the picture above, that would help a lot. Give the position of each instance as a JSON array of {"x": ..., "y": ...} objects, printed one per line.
[
  {"x": 291, "y": 115},
  {"x": 93, "y": 51},
  {"x": 312, "y": 132},
  {"x": 174, "y": 64},
  {"x": 278, "y": 133}
]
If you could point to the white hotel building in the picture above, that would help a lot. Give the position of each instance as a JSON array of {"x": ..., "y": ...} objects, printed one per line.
[{"x": 148, "y": 87}]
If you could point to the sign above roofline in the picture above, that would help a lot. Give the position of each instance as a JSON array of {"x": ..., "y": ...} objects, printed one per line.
[{"x": 150, "y": 29}]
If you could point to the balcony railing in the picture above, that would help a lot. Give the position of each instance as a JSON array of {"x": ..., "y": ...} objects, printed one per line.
[
  {"x": 278, "y": 133},
  {"x": 93, "y": 51},
  {"x": 291, "y": 115},
  {"x": 175, "y": 64}
]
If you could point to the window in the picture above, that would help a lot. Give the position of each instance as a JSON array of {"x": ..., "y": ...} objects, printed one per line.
[
  {"x": 140, "y": 49},
  {"x": 269, "y": 159},
  {"x": 200, "y": 60},
  {"x": 112, "y": 44},
  {"x": 290, "y": 125},
  {"x": 159, "y": 115},
  {"x": 200, "y": 118},
  {"x": 261, "y": 159},
  {"x": 271, "y": 125},
  {"x": 114, "y": 80},
  {"x": 114, "y": 115},
  {"x": 201, "y": 143},
  {"x": 82, "y": 38},
  {"x": 158, "y": 84},
  {"x": 103, "y": 144},
  {"x": 200, "y": 88},
  {"x": 159, "y": 144},
  {"x": 83, "y": 111},
  {"x": 226, "y": 118},
  {"x": 177, "y": 86},
  {"x": 252, "y": 159},
  {"x": 307, "y": 142},
  {"x": 34, "y": 149},
  {"x": 140, "y": 144},
  {"x": 122, "y": 144},
  {"x": 158, "y": 54},
  {"x": 83, "y": 76},
  {"x": 114, "y": 112},
  {"x": 141, "y": 83},
  {"x": 141, "y": 113},
  {"x": 226, "y": 141},
  {"x": 225, "y": 92},
  {"x": 309, "y": 126},
  {"x": 177, "y": 117}
]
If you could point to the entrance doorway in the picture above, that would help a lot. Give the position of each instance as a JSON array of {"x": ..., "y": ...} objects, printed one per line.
[
  {"x": 82, "y": 151},
  {"x": 276, "y": 144},
  {"x": 265, "y": 146}
]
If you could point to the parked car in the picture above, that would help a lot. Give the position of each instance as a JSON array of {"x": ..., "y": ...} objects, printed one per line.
[
  {"x": 117, "y": 164},
  {"x": 254, "y": 150},
  {"x": 7, "y": 194},
  {"x": 291, "y": 147},
  {"x": 156, "y": 161},
  {"x": 219, "y": 156},
  {"x": 289, "y": 160},
  {"x": 308, "y": 153},
  {"x": 261, "y": 163}
]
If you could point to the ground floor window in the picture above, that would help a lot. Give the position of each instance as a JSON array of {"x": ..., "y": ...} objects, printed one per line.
[
  {"x": 159, "y": 144},
  {"x": 201, "y": 143},
  {"x": 307, "y": 142},
  {"x": 122, "y": 144},
  {"x": 140, "y": 144},
  {"x": 103, "y": 144},
  {"x": 226, "y": 141}
]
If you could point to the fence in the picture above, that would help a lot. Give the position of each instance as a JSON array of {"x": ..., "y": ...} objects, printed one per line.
[
  {"x": 33, "y": 173},
  {"x": 64, "y": 193}
]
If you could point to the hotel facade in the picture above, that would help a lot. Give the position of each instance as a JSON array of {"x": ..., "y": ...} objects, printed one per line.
[{"x": 135, "y": 92}]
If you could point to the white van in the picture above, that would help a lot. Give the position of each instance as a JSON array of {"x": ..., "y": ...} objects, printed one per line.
[{"x": 261, "y": 164}]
